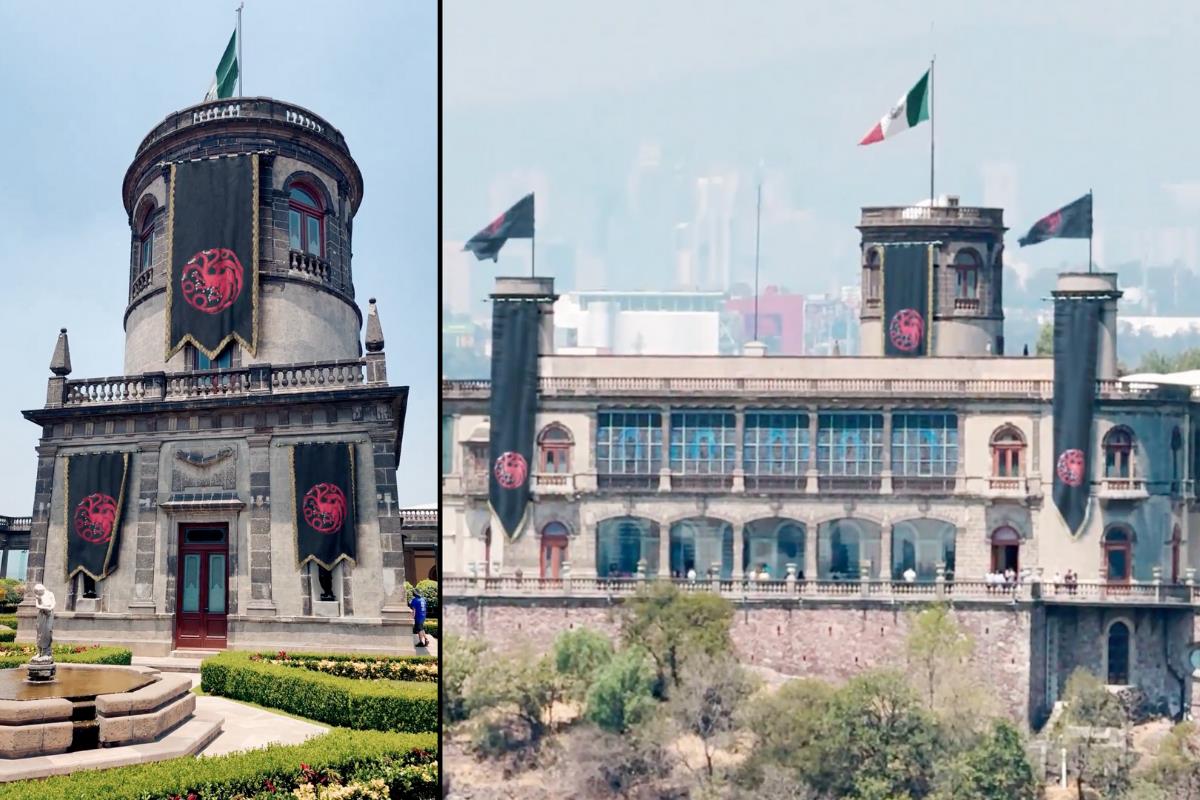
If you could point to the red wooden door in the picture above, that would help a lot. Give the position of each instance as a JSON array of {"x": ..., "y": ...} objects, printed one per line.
[{"x": 203, "y": 581}]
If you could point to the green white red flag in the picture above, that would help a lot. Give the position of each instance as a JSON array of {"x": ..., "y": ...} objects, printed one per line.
[{"x": 909, "y": 110}]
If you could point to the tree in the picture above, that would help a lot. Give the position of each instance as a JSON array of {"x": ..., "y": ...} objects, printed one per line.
[
  {"x": 995, "y": 768},
  {"x": 621, "y": 695},
  {"x": 578, "y": 655},
  {"x": 671, "y": 626},
  {"x": 460, "y": 660},
  {"x": 634, "y": 764},
  {"x": 1175, "y": 772},
  {"x": 1091, "y": 708},
  {"x": 709, "y": 702},
  {"x": 521, "y": 687},
  {"x": 789, "y": 728},
  {"x": 1045, "y": 342},
  {"x": 936, "y": 647}
]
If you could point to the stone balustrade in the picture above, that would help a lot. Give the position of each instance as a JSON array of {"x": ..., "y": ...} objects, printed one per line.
[
  {"x": 952, "y": 215},
  {"x": 309, "y": 265},
  {"x": 15, "y": 523},
  {"x": 956, "y": 590},
  {"x": 199, "y": 384},
  {"x": 141, "y": 283}
]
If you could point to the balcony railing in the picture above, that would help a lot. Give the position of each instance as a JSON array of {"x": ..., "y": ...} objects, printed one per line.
[
  {"x": 849, "y": 484},
  {"x": 15, "y": 523},
  {"x": 954, "y": 215},
  {"x": 776, "y": 483},
  {"x": 960, "y": 590},
  {"x": 256, "y": 379},
  {"x": 924, "y": 485},
  {"x": 310, "y": 265},
  {"x": 708, "y": 483},
  {"x": 141, "y": 283},
  {"x": 966, "y": 304},
  {"x": 624, "y": 482},
  {"x": 1123, "y": 489}
]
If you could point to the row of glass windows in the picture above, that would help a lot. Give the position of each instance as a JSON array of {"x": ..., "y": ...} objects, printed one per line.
[{"x": 776, "y": 443}]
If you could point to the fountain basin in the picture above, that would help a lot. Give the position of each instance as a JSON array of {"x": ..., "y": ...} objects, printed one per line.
[{"x": 87, "y": 706}]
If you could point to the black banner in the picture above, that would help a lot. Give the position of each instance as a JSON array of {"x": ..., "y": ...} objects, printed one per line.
[
  {"x": 907, "y": 288},
  {"x": 95, "y": 497},
  {"x": 323, "y": 487},
  {"x": 1076, "y": 330},
  {"x": 514, "y": 404},
  {"x": 1072, "y": 221},
  {"x": 516, "y": 223},
  {"x": 212, "y": 243}
]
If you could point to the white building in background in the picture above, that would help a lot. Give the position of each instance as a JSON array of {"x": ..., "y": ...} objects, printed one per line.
[
  {"x": 456, "y": 278},
  {"x": 640, "y": 323}
]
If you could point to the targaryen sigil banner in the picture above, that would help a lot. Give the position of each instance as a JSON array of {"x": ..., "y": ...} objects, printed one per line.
[
  {"x": 212, "y": 243},
  {"x": 1076, "y": 328},
  {"x": 907, "y": 285},
  {"x": 514, "y": 404},
  {"x": 323, "y": 485},
  {"x": 95, "y": 492}
]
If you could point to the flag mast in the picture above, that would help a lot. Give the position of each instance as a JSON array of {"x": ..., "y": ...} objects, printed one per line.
[
  {"x": 931, "y": 195},
  {"x": 757, "y": 229},
  {"x": 533, "y": 241},
  {"x": 241, "y": 65},
  {"x": 1091, "y": 227}
]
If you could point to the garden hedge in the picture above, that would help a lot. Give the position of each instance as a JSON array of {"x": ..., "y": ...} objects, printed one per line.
[
  {"x": 16, "y": 655},
  {"x": 9, "y": 619},
  {"x": 7, "y": 635},
  {"x": 431, "y": 627},
  {"x": 359, "y": 666},
  {"x": 382, "y": 705},
  {"x": 405, "y": 761}
]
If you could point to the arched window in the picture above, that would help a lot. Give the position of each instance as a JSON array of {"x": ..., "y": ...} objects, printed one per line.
[
  {"x": 1176, "y": 543},
  {"x": 842, "y": 546},
  {"x": 554, "y": 549},
  {"x": 554, "y": 449},
  {"x": 966, "y": 275},
  {"x": 871, "y": 275},
  {"x": 621, "y": 542},
  {"x": 1118, "y": 555},
  {"x": 1118, "y": 453},
  {"x": 698, "y": 543},
  {"x": 306, "y": 220},
  {"x": 146, "y": 241},
  {"x": 776, "y": 543},
  {"x": 1006, "y": 550},
  {"x": 1118, "y": 654},
  {"x": 1176, "y": 462},
  {"x": 1008, "y": 453},
  {"x": 920, "y": 545}
]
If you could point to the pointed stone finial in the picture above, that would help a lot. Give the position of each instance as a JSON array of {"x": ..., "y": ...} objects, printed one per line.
[
  {"x": 374, "y": 329},
  {"x": 60, "y": 362}
]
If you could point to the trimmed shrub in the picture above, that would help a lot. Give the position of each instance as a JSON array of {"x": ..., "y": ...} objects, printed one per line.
[
  {"x": 429, "y": 590},
  {"x": 9, "y": 619},
  {"x": 406, "y": 762},
  {"x": 7, "y": 635},
  {"x": 383, "y": 705},
  {"x": 432, "y": 627},
  {"x": 16, "y": 655},
  {"x": 365, "y": 667}
]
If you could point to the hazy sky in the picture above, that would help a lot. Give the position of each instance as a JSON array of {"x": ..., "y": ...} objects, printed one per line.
[
  {"x": 84, "y": 82},
  {"x": 1035, "y": 103}
]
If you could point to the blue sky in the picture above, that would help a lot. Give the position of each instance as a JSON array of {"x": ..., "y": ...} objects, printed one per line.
[
  {"x": 1035, "y": 103},
  {"x": 83, "y": 84}
]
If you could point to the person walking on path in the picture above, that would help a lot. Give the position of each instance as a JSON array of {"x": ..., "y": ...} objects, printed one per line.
[{"x": 417, "y": 604}]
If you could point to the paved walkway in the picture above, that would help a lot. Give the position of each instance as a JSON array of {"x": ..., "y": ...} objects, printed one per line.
[{"x": 247, "y": 727}]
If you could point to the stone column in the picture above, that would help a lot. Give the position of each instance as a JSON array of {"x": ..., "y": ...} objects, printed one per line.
[
  {"x": 810, "y": 552},
  {"x": 885, "y": 552},
  {"x": 664, "y": 551},
  {"x": 146, "y": 491},
  {"x": 812, "y": 481},
  {"x": 739, "y": 537},
  {"x": 395, "y": 605},
  {"x": 261, "y": 601},
  {"x": 664, "y": 473},
  {"x": 739, "y": 461},
  {"x": 40, "y": 529},
  {"x": 886, "y": 476}
]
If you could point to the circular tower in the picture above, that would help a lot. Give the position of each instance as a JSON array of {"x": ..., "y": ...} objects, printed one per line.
[
  {"x": 310, "y": 189},
  {"x": 968, "y": 268}
]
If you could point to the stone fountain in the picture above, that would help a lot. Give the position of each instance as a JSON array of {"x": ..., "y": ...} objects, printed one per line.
[{"x": 48, "y": 708}]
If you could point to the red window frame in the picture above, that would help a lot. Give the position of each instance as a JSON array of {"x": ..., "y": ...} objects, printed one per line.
[
  {"x": 553, "y": 550},
  {"x": 1007, "y": 450},
  {"x": 966, "y": 265},
  {"x": 554, "y": 450},
  {"x": 1003, "y": 538},
  {"x": 307, "y": 212},
  {"x": 146, "y": 237},
  {"x": 1118, "y": 454}
]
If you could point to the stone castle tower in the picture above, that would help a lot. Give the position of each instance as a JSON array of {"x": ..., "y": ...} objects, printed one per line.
[
  {"x": 207, "y": 551},
  {"x": 967, "y": 314}
]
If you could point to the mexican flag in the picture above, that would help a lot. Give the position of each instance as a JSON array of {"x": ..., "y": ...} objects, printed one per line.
[
  {"x": 910, "y": 109},
  {"x": 225, "y": 80}
]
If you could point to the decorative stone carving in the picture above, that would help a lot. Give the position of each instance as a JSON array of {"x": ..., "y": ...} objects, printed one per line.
[{"x": 205, "y": 468}]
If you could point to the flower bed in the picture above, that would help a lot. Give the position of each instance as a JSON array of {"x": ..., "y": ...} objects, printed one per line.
[
  {"x": 364, "y": 667},
  {"x": 385, "y": 705},
  {"x": 406, "y": 763},
  {"x": 16, "y": 655}
]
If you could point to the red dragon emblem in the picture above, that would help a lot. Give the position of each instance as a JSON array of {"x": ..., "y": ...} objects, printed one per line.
[
  {"x": 212, "y": 280},
  {"x": 325, "y": 508},
  {"x": 94, "y": 518},
  {"x": 1070, "y": 467},
  {"x": 1053, "y": 222},
  {"x": 510, "y": 470},
  {"x": 907, "y": 329}
]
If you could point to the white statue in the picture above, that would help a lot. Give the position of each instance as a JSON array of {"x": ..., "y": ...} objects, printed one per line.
[{"x": 44, "y": 602}]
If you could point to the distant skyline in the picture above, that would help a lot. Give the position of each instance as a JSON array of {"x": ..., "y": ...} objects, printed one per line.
[
  {"x": 85, "y": 82},
  {"x": 1034, "y": 105}
]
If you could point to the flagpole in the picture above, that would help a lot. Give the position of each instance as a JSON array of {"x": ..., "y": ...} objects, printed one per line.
[
  {"x": 757, "y": 229},
  {"x": 533, "y": 242},
  {"x": 1091, "y": 227},
  {"x": 241, "y": 64},
  {"x": 931, "y": 195}
]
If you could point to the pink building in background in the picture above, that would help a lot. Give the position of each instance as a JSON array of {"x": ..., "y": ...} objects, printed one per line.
[{"x": 780, "y": 320}]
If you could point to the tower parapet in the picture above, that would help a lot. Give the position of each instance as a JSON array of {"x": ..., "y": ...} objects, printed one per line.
[
  {"x": 968, "y": 312},
  {"x": 309, "y": 190}
]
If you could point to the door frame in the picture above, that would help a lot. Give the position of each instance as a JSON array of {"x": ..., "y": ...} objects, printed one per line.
[{"x": 181, "y": 529}]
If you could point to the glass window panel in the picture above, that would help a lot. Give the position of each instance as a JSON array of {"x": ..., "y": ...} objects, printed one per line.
[
  {"x": 621, "y": 542},
  {"x": 775, "y": 443},
  {"x": 301, "y": 196},
  {"x": 191, "y": 582},
  {"x": 216, "y": 583},
  {"x": 314, "y": 235},
  {"x": 629, "y": 443},
  {"x": 18, "y": 563},
  {"x": 850, "y": 444},
  {"x": 703, "y": 443},
  {"x": 924, "y": 444},
  {"x": 147, "y": 251},
  {"x": 294, "y": 229}
]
